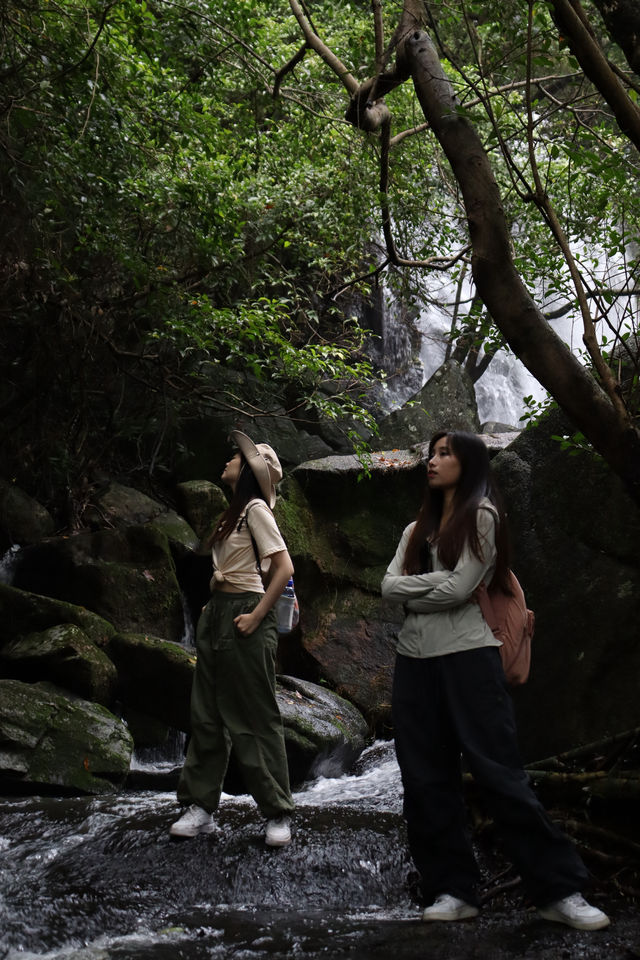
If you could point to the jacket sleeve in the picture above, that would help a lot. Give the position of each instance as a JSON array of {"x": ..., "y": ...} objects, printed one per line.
[
  {"x": 402, "y": 587},
  {"x": 430, "y": 592}
]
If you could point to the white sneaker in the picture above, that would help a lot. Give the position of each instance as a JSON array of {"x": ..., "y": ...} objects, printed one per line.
[
  {"x": 575, "y": 912},
  {"x": 193, "y": 821},
  {"x": 446, "y": 907},
  {"x": 278, "y": 832}
]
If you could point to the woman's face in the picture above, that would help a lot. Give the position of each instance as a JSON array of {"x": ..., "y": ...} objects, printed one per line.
[
  {"x": 232, "y": 470},
  {"x": 443, "y": 469}
]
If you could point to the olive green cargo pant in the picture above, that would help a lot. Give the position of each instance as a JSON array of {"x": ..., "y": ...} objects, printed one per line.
[{"x": 233, "y": 704}]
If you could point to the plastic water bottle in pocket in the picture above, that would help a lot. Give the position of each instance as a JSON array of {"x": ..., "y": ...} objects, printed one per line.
[{"x": 287, "y": 609}]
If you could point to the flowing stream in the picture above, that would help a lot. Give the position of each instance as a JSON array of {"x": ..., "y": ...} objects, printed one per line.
[{"x": 100, "y": 879}]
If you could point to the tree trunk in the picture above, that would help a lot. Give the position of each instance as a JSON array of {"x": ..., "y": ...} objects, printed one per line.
[
  {"x": 512, "y": 308},
  {"x": 622, "y": 20},
  {"x": 573, "y": 23}
]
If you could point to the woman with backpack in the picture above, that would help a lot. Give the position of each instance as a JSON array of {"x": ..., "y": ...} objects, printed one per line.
[
  {"x": 450, "y": 700},
  {"x": 233, "y": 702}
]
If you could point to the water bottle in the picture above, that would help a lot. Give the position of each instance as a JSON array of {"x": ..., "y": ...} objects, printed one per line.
[{"x": 285, "y": 608}]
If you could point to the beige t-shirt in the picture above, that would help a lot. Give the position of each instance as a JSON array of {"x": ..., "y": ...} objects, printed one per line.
[{"x": 234, "y": 559}]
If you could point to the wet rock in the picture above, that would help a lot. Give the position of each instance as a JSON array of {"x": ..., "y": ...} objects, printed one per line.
[
  {"x": 100, "y": 878},
  {"x": 201, "y": 503},
  {"x": 126, "y": 576},
  {"x": 322, "y": 730},
  {"x": 447, "y": 401},
  {"x": 22, "y": 612},
  {"x": 64, "y": 655},
  {"x": 22, "y": 519},
  {"x": 49, "y": 741},
  {"x": 154, "y": 676},
  {"x": 576, "y": 535}
]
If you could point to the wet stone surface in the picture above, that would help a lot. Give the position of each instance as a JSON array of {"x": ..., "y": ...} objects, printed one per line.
[{"x": 100, "y": 878}]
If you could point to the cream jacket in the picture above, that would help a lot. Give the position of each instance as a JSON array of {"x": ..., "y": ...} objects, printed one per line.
[{"x": 441, "y": 616}]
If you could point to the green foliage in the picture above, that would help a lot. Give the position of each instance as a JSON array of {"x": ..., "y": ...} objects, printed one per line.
[
  {"x": 173, "y": 204},
  {"x": 575, "y": 443},
  {"x": 536, "y": 409},
  {"x": 166, "y": 208}
]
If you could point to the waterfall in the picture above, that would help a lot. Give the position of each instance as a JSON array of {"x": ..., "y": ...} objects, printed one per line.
[
  {"x": 501, "y": 389},
  {"x": 8, "y": 563}
]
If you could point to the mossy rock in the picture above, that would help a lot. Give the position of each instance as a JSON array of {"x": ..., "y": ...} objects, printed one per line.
[
  {"x": 126, "y": 576},
  {"x": 64, "y": 655},
  {"x": 53, "y": 744},
  {"x": 22, "y": 519},
  {"x": 201, "y": 502},
  {"x": 154, "y": 677},
  {"x": 23, "y": 612}
]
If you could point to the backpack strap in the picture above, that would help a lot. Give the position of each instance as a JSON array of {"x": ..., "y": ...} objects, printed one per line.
[{"x": 245, "y": 519}]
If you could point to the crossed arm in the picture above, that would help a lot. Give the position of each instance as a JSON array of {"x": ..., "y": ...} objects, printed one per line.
[{"x": 431, "y": 592}]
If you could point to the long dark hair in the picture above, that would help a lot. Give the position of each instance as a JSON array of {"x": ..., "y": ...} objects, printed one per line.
[
  {"x": 476, "y": 482},
  {"x": 247, "y": 488}
]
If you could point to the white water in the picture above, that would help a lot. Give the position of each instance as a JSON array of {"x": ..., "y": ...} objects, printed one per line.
[
  {"x": 8, "y": 562},
  {"x": 501, "y": 390}
]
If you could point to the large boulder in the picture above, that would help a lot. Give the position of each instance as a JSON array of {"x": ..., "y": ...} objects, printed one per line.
[
  {"x": 324, "y": 733},
  {"x": 22, "y": 612},
  {"x": 576, "y": 533},
  {"x": 154, "y": 677},
  {"x": 342, "y": 524},
  {"x": 446, "y": 402},
  {"x": 121, "y": 506},
  {"x": 49, "y": 742},
  {"x": 22, "y": 519},
  {"x": 64, "y": 655},
  {"x": 127, "y": 576},
  {"x": 201, "y": 503}
]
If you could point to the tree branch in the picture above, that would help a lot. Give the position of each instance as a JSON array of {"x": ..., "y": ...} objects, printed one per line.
[
  {"x": 544, "y": 204},
  {"x": 512, "y": 308},
  {"x": 572, "y": 21},
  {"x": 323, "y": 51},
  {"x": 287, "y": 68}
]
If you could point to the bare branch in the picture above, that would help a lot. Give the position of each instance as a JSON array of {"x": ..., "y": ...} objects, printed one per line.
[
  {"x": 376, "y": 6},
  {"x": 575, "y": 26},
  {"x": 323, "y": 51},
  {"x": 287, "y": 68},
  {"x": 544, "y": 204}
]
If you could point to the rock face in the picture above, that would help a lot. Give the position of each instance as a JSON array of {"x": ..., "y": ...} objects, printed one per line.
[
  {"x": 126, "y": 576},
  {"x": 22, "y": 519},
  {"x": 446, "y": 402},
  {"x": 342, "y": 528},
  {"x": 49, "y": 740},
  {"x": 99, "y": 613},
  {"x": 576, "y": 534}
]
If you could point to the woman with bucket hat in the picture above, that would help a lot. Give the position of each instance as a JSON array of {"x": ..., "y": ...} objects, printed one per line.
[{"x": 233, "y": 702}]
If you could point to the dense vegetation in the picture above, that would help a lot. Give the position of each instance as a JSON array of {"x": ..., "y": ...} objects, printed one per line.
[{"x": 189, "y": 220}]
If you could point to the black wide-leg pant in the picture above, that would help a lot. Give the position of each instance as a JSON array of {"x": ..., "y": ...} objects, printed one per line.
[{"x": 454, "y": 706}]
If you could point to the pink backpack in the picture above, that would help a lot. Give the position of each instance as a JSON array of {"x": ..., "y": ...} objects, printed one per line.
[{"x": 513, "y": 624}]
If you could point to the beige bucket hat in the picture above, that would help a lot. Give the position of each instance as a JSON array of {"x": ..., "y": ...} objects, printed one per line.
[{"x": 263, "y": 462}]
